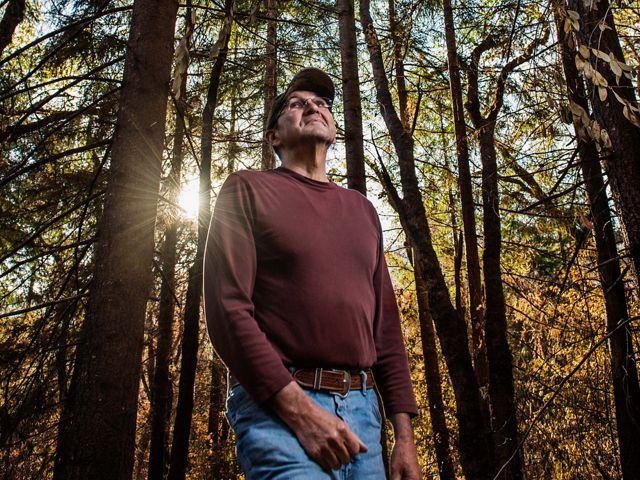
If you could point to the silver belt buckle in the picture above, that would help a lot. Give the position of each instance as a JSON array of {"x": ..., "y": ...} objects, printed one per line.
[{"x": 346, "y": 383}]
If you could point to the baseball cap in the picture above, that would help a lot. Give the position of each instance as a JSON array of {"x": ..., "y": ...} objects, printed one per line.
[{"x": 311, "y": 79}]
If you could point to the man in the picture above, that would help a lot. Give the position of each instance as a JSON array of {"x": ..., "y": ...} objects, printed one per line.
[{"x": 300, "y": 307}]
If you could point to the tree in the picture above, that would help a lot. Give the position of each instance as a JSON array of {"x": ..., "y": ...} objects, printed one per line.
[
  {"x": 474, "y": 442},
  {"x": 476, "y": 307},
  {"x": 97, "y": 429},
  {"x": 270, "y": 78},
  {"x": 13, "y": 15},
  {"x": 624, "y": 373},
  {"x": 616, "y": 110},
  {"x": 356, "y": 178},
  {"x": 190, "y": 337}
]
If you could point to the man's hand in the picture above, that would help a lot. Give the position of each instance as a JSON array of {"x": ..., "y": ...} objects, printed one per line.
[
  {"x": 404, "y": 458},
  {"x": 325, "y": 437}
]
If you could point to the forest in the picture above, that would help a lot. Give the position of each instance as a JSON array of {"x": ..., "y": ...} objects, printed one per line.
[{"x": 499, "y": 141}]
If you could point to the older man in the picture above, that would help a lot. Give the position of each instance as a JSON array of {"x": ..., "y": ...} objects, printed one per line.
[{"x": 300, "y": 307}]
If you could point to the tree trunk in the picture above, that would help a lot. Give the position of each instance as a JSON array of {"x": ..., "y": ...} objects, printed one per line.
[
  {"x": 427, "y": 333},
  {"x": 626, "y": 390},
  {"x": 476, "y": 308},
  {"x": 13, "y": 15},
  {"x": 216, "y": 419},
  {"x": 190, "y": 337},
  {"x": 354, "y": 146},
  {"x": 270, "y": 75},
  {"x": 501, "y": 390},
  {"x": 97, "y": 428},
  {"x": 621, "y": 164},
  {"x": 398, "y": 55},
  {"x": 160, "y": 391},
  {"x": 474, "y": 441},
  {"x": 433, "y": 381},
  {"x": 504, "y": 422}
]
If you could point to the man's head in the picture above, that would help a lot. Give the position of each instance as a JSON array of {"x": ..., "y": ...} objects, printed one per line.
[{"x": 303, "y": 110}]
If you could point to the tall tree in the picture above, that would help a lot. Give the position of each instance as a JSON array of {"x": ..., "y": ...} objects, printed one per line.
[
  {"x": 354, "y": 146},
  {"x": 270, "y": 78},
  {"x": 474, "y": 440},
  {"x": 501, "y": 389},
  {"x": 427, "y": 333},
  {"x": 433, "y": 381},
  {"x": 161, "y": 386},
  {"x": 476, "y": 307},
  {"x": 97, "y": 428},
  {"x": 190, "y": 336},
  {"x": 626, "y": 390},
  {"x": 616, "y": 110}
]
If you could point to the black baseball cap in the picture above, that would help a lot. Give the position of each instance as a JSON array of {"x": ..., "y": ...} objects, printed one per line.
[{"x": 311, "y": 79}]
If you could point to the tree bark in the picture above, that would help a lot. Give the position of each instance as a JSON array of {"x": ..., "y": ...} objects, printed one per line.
[
  {"x": 427, "y": 333},
  {"x": 270, "y": 76},
  {"x": 216, "y": 420},
  {"x": 626, "y": 390},
  {"x": 13, "y": 15},
  {"x": 190, "y": 337},
  {"x": 433, "y": 381},
  {"x": 501, "y": 389},
  {"x": 621, "y": 164},
  {"x": 160, "y": 391},
  {"x": 97, "y": 428},
  {"x": 474, "y": 441},
  {"x": 354, "y": 146},
  {"x": 476, "y": 307}
]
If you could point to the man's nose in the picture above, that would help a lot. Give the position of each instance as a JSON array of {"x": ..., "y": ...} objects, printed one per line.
[{"x": 310, "y": 106}]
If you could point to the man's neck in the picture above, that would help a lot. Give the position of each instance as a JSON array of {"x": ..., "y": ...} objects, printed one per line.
[{"x": 308, "y": 162}]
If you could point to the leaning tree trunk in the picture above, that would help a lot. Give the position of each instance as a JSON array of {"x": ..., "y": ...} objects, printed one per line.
[
  {"x": 190, "y": 337},
  {"x": 626, "y": 391},
  {"x": 354, "y": 146},
  {"x": 97, "y": 428},
  {"x": 476, "y": 308},
  {"x": 270, "y": 76},
  {"x": 614, "y": 112},
  {"x": 427, "y": 333},
  {"x": 474, "y": 439}
]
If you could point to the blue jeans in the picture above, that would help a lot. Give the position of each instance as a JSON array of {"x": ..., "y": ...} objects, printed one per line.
[{"x": 268, "y": 449}]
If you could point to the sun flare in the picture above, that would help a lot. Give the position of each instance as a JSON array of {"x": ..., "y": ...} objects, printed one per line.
[{"x": 188, "y": 199}]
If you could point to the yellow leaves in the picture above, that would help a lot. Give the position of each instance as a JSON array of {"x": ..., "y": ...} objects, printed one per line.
[
  {"x": 573, "y": 19},
  {"x": 587, "y": 128},
  {"x": 630, "y": 112},
  {"x": 602, "y": 93},
  {"x": 599, "y": 54},
  {"x": 630, "y": 115},
  {"x": 584, "y": 51}
]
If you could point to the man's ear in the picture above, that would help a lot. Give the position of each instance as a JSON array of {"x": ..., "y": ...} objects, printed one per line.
[{"x": 271, "y": 136}]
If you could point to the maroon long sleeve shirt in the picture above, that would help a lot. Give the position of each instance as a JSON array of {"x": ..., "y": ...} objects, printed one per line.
[{"x": 295, "y": 275}]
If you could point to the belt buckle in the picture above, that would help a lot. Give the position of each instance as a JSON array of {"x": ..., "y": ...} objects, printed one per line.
[{"x": 346, "y": 383}]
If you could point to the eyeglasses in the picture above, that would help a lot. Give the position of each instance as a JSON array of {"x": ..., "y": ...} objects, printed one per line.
[{"x": 296, "y": 103}]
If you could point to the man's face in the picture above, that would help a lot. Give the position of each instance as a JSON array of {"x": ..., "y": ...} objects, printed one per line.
[{"x": 303, "y": 125}]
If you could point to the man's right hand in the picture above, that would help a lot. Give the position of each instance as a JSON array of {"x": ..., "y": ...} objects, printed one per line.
[{"x": 326, "y": 438}]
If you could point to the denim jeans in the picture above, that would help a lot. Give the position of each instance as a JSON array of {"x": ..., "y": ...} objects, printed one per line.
[{"x": 268, "y": 449}]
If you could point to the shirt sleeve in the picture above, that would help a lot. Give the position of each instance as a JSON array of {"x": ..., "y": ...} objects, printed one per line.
[
  {"x": 228, "y": 281},
  {"x": 391, "y": 369}
]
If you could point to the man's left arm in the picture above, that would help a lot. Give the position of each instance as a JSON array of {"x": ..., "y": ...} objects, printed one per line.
[{"x": 404, "y": 457}]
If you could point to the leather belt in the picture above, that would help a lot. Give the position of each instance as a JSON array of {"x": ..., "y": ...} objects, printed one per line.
[
  {"x": 334, "y": 381},
  {"x": 328, "y": 380}
]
